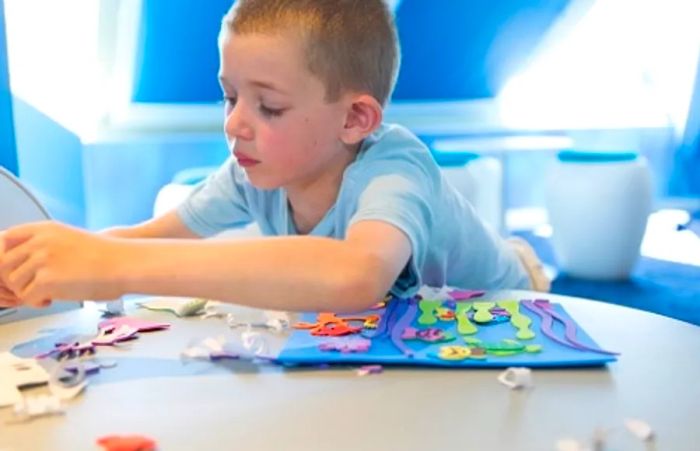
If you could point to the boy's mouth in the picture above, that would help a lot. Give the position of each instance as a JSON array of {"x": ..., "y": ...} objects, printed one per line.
[{"x": 244, "y": 160}]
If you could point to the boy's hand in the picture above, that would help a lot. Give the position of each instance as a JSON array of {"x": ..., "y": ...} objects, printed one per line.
[
  {"x": 48, "y": 260},
  {"x": 7, "y": 297}
]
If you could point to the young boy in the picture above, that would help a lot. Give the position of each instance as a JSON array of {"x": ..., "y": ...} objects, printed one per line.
[{"x": 357, "y": 208}]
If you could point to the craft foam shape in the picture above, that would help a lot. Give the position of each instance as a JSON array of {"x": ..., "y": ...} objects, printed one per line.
[
  {"x": 482, "y": 312},
  {"x": 141, "y": 325},
  {"x": 517, "y": 319},
  {"x": 463, "y": 295},
  {"x": 126, "y": 443},
  {"x": 464, "y": 326}
]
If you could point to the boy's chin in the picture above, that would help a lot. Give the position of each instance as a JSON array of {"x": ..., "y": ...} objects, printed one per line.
[{"x": 261, "y": 183}]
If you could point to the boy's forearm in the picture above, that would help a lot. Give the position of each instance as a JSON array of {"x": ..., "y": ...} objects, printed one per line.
[
  {"x": 166, "y": 226},
  {"x": 286, "y": 273}
]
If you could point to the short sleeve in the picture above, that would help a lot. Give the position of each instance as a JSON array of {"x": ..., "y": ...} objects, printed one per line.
[
  {"x": 218, "y": 203},
  {"x": 403, "y": 202}
]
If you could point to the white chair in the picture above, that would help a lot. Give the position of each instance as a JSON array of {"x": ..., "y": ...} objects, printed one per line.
[{"x": 19, "y": 206}]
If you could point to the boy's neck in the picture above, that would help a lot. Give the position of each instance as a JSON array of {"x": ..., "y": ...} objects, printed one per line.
[{"x": 310, "y": 202}]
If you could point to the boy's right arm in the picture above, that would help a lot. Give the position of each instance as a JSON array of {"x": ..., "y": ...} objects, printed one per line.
[{"x": 168, "y": 225}]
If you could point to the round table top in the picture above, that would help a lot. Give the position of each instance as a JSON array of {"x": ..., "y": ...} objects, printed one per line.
[{"x": 200, "y": 405}]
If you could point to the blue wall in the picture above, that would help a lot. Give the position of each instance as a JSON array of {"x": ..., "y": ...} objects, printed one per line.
[
  {"x": 50, "y": 161},
  {"x": 452, "y": 49},
  {"x": 8, "y": 154},
  {"x": 177, "y": 60},
  {"x": 123, "y": 175},
  {"x": 469, "y": 49}
]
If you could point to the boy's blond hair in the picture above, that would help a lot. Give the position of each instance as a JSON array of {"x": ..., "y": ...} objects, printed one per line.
[{"x": 351, "y": 45}]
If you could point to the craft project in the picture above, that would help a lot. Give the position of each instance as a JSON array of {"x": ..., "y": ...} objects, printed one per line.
[{"x": 461, "y": 329}]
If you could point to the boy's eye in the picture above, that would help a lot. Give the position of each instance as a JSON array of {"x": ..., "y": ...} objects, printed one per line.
[
  {"x": 270, "y": 112},
  {"x": 229, "y": 103}
]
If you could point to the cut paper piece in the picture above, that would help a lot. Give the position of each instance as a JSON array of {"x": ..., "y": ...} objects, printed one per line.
[
  {"x": 90, "y": 367},
  {"x": 346, "y": 344},
  {"x": 210, "y": 349},
  {"x": 115, "y": 307},
  {"x": 570, "y": 444},
  {"x": 383, "y": 323},
  {"x": 435, "y": 293},
  {"x": 543, "y": 308},
  {"x": 255, "y": 343},
  {"x": 405, "y": 321},
  {"x": 463, "y": 295},
  {"x": 127, "y": 443},
  {"x": 111, "y": 335},
  {"x": 140, "y": 325},
  {"x": 275, "y": 321},
  {"x": 516, "y": 377},
  {"x": 369, "y": 369},
  {"x": 517, "y": 319},
  {"x": 454, "y": 352},
  {"x": 464, "y": 325},
  {"x": 16, "y": 373},
  {"x": 482, "y": 311},
  {"x": 30, "y": 407},
  {"x": 9, "y": 394},
  {"x": 505, "y": 347},
  {"x": 639, "y": 429},
  {"x": 428, "y": 308},
  {"x": 330, "y": 325},
  {"x": 179, "y": 306},
  {"x": 445, "y": 314},
  {"x": 429, "y": 335}
]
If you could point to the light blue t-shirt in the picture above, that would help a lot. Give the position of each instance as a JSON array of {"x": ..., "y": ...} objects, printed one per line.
[{"x": 393, "y": 179}]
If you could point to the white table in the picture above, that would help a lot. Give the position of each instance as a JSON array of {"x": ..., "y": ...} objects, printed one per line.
[{"x": 243, "y": 406}]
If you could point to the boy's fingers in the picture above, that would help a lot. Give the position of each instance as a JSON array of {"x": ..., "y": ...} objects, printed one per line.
[
  {"x": 21, "y": 276},
  {"x": 8, "y": 298},
  {"x": 35, "y": 297},
  {"x": 12, "y": 259},
  {"x": 17, "y": 235}
]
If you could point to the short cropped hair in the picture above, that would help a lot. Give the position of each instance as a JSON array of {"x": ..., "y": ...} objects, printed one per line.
[{"x": 350, "y": 45}]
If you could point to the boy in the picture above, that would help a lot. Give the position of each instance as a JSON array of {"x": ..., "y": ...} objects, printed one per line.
[{"x": 358, "y": 208}]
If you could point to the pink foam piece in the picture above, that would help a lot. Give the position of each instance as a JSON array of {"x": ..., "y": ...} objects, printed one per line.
[{"x": 139, "y": 324}]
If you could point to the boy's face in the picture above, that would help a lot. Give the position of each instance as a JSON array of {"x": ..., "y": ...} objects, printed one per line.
[{"x": 278, "y": 124}]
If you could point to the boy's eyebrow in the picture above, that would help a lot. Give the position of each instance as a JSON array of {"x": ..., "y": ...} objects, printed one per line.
[
  {"x": 256, "y": 83},
  {"x": 266, "y": 85}
]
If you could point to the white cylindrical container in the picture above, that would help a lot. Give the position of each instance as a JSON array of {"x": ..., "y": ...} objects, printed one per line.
[
  {"x": 479, "y": 179},
  {"x": 598, "y": 204}
]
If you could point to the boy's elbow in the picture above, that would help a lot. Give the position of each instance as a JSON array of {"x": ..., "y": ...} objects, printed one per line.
[{"x": 362, "y": 284}]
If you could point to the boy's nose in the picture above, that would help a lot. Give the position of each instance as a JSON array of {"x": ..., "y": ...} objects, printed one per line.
[{"x": 235, "y": 124}]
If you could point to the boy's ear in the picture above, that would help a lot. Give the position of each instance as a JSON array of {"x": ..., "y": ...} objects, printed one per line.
[{"x": 364, "y": 115}]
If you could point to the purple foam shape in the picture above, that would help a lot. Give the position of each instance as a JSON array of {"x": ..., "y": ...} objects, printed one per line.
[
  {"x": 399, "y": 326},
  {"x": 569, "y": 327},
  {"x": 547, "y": 320},
  {"x": 384, "y": 321},
  {"x": 346, "y": 345},
  {"x": 463, "y": 295}
]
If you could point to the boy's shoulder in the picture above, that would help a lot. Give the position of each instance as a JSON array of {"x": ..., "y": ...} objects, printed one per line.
[
  {"x": 393, "y": 149},
  {"x": 393, "y": 142}
]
